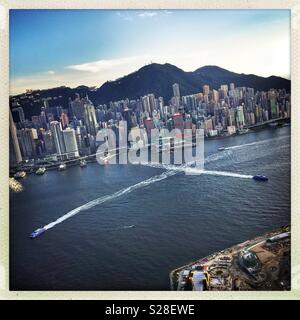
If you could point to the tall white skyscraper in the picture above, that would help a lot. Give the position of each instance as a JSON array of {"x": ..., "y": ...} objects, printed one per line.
[{"x": 57, "y": 135}]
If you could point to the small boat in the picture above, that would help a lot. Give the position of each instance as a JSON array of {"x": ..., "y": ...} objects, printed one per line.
[
  {"x": 82, "y": 163},
  {"x": 260, "y": 178},
  {"x": 40, "y": 171},
  {"x": 62, "y": 167},
  {"x": 37, "y": 232},
  {"x": 20, "y": 174},
  {"x": 221, "y": 149}
]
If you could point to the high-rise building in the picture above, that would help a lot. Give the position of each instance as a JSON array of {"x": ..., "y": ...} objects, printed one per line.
[
  {"x": 48, "y": 142},
  {"x": 240, "y": 119},
  {"x": 21, "y": 114},
  {"x": 176, "y": 91},
  {"x": 178, "y": 121},
  {"x": 224, "y": 90},
  {"x": 273, "y": 103},
  {"x": 77, "y": 107},
  {"x": 146, "y": 105},
  {"x": 64, "y": 120},
  {"x": 149, "y": 125},
  {"x": 28, "y": 138},
  {"x": 206, "y": 89},
  {"x": 90, "y": 119},
  {"x": 215, "y": 95},
  {"x": 231, "y": 86},
  {"x": 71, "y": 146},
  {"x": 14, "y": 148},
  {"x": 58, "y": 138},
  {"x": 151, "y": 101}
]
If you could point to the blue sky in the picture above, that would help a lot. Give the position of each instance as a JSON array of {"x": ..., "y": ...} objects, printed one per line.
[{"x": 71, "y": 47}]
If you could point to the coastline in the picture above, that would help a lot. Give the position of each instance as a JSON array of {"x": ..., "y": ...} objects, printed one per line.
[{"x": 227, "y": 259}]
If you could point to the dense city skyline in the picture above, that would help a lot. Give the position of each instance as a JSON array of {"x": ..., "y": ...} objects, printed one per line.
[{"x": 89, "y": 53}]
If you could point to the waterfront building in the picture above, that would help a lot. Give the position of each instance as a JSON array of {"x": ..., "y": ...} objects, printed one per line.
[
  {"x": 57, "y": 135},
  {"x": 48, "y": 142},
  {"x": 231, "y": 130},
  {"x": 27, "y": 138},
  {"x": 15, "y": 156},
  {"x": 240, "y": 119},
  {"x": 71, "y": 148}
]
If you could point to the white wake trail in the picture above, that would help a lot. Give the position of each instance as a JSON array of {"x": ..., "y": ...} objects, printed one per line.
[
  {"x": 217, "y": 173},
  {"x": 115, "y": 195},
  {"x": 198, "y": 171},
  {"x": 171, "y": 170},
  {"x": 257, "y": 142}
]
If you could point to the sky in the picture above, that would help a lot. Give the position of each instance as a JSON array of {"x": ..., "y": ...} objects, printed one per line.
[{"x": 50, "y": 48}]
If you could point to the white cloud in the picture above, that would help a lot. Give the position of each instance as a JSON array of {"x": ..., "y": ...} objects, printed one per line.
[
  {"x": 51, "y": 72},
  {"x": 124, "y": 16},
  {"x": 109, "y": 64},
  {"x": 147, "y": 14}
]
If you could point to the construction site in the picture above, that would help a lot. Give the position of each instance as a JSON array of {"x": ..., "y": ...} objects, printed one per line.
[{"x": 263, "y": 263}]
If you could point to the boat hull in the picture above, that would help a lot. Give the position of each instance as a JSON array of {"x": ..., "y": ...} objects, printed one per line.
[
  {"x": 37, "y": 233},
  {"x": 260, "y": 178}
]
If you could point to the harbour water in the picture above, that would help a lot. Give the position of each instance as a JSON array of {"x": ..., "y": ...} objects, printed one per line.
[{"x": 145, "y": 221}]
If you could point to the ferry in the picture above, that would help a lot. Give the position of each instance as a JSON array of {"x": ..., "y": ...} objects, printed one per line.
[
  {"x": 37, "y": 232},
  {"x": 40, "y": 171},
  {"x": 62, "y": 167},
  {"x": 20, "y": 174},
  {"x": 82, "y": 163},
  {"x": 260, "y": 178}
]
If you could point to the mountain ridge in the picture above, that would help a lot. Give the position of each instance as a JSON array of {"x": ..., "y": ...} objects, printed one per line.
[{"x": 157, "y": 79}]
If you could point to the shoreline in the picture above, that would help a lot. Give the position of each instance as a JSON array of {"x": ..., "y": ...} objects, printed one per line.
[
  {"x": 92, "y": 157},
  {"x": 227, "y": 258}
]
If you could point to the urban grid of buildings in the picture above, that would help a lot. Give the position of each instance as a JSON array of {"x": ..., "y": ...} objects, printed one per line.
[{"x": 65, "y": 133}]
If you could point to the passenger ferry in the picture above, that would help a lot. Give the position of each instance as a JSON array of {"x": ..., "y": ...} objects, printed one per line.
[
  {"x": 20, "y": 174},
  {"x": 62, "y": 167},
  {"x": 40, "y": 171},
  {"x": 260, "y": 178}
]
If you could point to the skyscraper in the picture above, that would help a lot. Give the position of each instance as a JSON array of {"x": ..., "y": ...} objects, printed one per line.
[
  {"x": 57, "y": 135},
  {"x": 64, "y": 120},
  {"x": 240, "y": 119},
  {"x": 176, "y": 91},
  {"x": 14, "y": 148},
  {"x": 90, "y": 119},
  {"x": 28, "y": 138},
  {"x": 77, "y": 107},
  {"x": 206, "y": 89},
  {"x": 71, "y": 146},
  {"x": 146, "y": 104}
]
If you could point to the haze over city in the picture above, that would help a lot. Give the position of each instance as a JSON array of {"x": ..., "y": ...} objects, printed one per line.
[{"x": 50, "y": 48}]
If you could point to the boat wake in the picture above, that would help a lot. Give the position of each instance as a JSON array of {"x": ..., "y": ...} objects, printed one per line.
[
  {"x": 113, "y": 196},
  {"x": 217, "y": 173},
  {"x": 257, "y": 142},
  {"x": 170, "y": 171}
]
